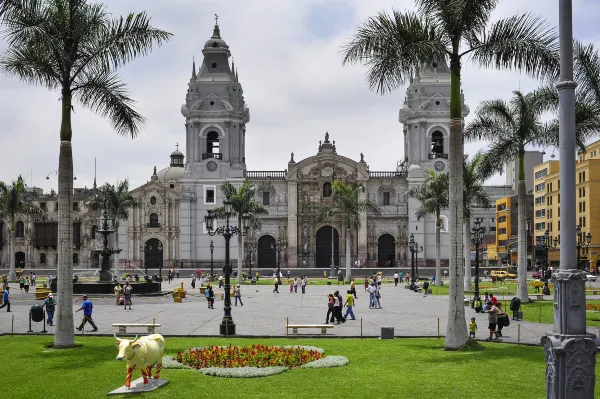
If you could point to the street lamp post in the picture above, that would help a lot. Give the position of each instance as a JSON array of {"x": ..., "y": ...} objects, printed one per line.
[
  {"x": 477, "y": 233},
  {"x": 278, "y": 247},
  {"x": 582, "y": 241},
  {"x": 546, "y": 244},
  {"x": 227, "y": 327},
  {"x": 212, "y": 248},
  {"x": 414, "y": 250},
  {"x": 160, "y": 260},
  {"x": 570, "y": 350}
]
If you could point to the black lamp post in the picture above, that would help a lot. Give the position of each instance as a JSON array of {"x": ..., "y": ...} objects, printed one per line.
[
  {"x": 477, "y": 238},
  {"x": 414, "y": 250},
  {"x": 160, "y": 259},
  {"x": 212, "y": 248},
  {"x": 278, "y": 246},
  {"x": 582, "y": 241},
  {"x": 227, "y": 326},
  {"x": 546, "y": 244}
]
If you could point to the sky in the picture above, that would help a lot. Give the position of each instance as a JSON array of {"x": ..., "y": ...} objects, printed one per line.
[{"x": 288, "y": 56}]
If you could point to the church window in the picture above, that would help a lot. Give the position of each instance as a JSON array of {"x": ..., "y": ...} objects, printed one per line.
[
  {"x": 153, "y": 220},
  {"x": 327, "y": 190},
  {"x": 20, "y": 230},
  {"x": 213, "y": 65},
  {"x": 171, "y": 185},
  {"x": 437, "y": 103},
  {"x": 76, "y": 206},
  {"x": 266, "y": 198},
  {"x": 43, "y": 206},
  {"x": 94, "y": 232},
  {"x": 75, "y": 259},
  {"x": 215, "y": 44},
  {"x": 209, "y": 194},
  {"x": 212, "y": 144},
  {"x": 43, "y": 259},
  {"x": 212, "y": 103},
  {"x": 437, "y": 144},
  {"x": 153, "y": 200},
  {"x": 386, "y": 198}
]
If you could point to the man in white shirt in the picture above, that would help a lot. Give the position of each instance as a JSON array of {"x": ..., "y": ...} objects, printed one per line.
[
  {"x": 396, "y": 278},
  {"x": 372, "y": 299}
]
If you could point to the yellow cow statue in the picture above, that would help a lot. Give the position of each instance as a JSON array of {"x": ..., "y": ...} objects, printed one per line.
[{"x": 142, "y": 354}]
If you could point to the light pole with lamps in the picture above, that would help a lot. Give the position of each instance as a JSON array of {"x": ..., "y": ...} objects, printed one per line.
[
  {"x": 583, "y": 240},
  {"x": 212, "y": 249},
  {"x": 414, "y": 250},
  {"x": 477, "y": 238},
  {"x": 546, "y": 244},
  {"x": 278, "y": 247},
  {"x": 227, "y": 327}
]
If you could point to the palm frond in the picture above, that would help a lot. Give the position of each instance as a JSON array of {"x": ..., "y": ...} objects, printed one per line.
[
  {"x": 587, "y": 70},
  {"x": 524, "y": 43},
  {"x": 393, "y": 47}
]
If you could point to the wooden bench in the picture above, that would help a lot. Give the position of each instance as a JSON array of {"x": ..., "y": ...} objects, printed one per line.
[
  {"x": 123, "y": 327},
  {"x": 295, "y": 327}
]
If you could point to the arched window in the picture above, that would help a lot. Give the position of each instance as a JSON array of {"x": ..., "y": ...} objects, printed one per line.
[
  {"x": 20, "y": 230},
  {"x": 153, "y": 200},
  {"x": 43, "y": 259},
  {"x": 326, "y": 190},
  {"x": 437, "y": 144},
  {"x": 153, "y": 220},
  {"x": 212, "y": 145},
  {"x": 94, "y": 231},
  {"x": 75, "y": 259}
]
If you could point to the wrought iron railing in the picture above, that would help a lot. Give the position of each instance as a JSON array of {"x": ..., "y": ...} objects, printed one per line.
[
  {"x": 435, "y": 155},
  {"x": 265, "y": 174},
  {"x": 387, "y": 174},
  {"x": 210, "y": 155},
  {"x": 153, "y": 225}
]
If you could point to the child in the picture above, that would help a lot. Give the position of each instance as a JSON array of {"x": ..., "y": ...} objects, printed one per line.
[{"x": 472, "y": 328}]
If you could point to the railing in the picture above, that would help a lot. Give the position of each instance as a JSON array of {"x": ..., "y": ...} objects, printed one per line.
[
  {"x": 210, "y": 155},
  {"x": 435, "y": 155},
  {"x": 387, "y": 174},
  {"x": 153, "y": 225},
  {"x": 265, "y": 174}
]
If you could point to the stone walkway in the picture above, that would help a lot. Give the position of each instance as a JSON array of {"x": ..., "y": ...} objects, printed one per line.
[{"x": 265, "y": 313}]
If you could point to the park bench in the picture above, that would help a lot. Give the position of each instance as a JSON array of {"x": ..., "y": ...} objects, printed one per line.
[
  {"x": 123, "y": 327},
  {"x": 295, "y": 327},
  {"x": 539, "y": 297}
]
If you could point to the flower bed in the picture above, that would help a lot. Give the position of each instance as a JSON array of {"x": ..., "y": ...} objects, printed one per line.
[
  {"x": 590, "y": 306},
  {"x": 251, "y": 361},
  {"x": 247, "y": 356}
]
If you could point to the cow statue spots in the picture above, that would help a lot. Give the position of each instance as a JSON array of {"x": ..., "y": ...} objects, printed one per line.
[{"x": 142, "y": 354}]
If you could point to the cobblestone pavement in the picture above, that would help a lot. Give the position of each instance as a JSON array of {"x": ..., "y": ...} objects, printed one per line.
[{"x": 265, "y": 313}]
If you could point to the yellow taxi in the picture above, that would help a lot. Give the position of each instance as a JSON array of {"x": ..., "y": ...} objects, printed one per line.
[{"x": 501, "y": 274}]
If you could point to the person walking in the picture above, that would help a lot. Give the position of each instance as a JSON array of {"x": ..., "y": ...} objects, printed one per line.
[
  {"x": 330, "y": 303},
  {"x": 50, "y": 305},
  {"x": 337, "y": 307},
  {"x": 5, "y": 300},
  {"x": 127, "y": 289},
  {"x": 492, "y": 320},
  {"x": 348, "y": 305},
  {"x": 303, "y": 284},
  {"x": 117, "y": 293},
  {"x": 177, "y": 272},
  {"x": 87, "y": 307},
  {"x": 295, "y": 285},
  {"x": 21, "y": 282},
  {"x": 169, "y": 276},
  {"x": 193, "y": 282},
  {"x": 396, "y": 278},
  {"x": 501, "y": 315},
  {"x": 372, "y": 300},
  {"x": 238, "y": 295},
  {"x": 276, "y": 283},
  {"x": 33, "y": 279},
  {"x": 353, "y": 288}
]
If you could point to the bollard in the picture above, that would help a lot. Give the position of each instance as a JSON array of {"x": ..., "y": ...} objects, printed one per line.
[
  {"x": 518, "y": 334},
  {"x": 438, "y": 327}
]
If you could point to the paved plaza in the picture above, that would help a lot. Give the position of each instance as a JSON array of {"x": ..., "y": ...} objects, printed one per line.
[{"x": 264, "y": 314}]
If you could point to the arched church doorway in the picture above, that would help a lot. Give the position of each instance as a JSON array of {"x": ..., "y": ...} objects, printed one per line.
[
  {"x": 386, "y": 251},
  {"x": 20, "y": 260},
  {"x": 325, "y": 236},
  {"x": 266, "y": 256},
  {"x": 154, "y": 253}
]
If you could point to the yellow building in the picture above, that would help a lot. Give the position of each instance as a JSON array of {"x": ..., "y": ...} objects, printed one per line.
[
  {"x": 547, "y": 204},
  {"x": 506, "y": 230}
]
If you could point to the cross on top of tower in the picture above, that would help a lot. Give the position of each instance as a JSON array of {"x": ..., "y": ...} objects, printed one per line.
[
  {"x": 216, "y": 19},
  {"x": 177, "y": 146}
]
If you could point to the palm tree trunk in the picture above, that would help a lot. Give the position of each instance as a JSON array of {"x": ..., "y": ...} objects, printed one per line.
[
  {"x": 116, "y": 259},
  {"x": 522, "y": 294},
  {"x": 438, "y": 255},
  {"x": 456, "y": 330},
  {"x": 348, "y": 255},
  {"x": 240, "y": 259},
  {"x": 12, "y": 273},
  {"x": 64, "y": 336},
  {"x": 467, "y": 228}
]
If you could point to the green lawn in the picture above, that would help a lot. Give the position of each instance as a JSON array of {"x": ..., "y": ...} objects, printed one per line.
[
  {"x": 543, "y": 312},
  {"x": 411, "y": 368}
]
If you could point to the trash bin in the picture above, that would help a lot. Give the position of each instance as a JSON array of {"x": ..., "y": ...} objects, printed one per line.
[{"x": 37, "y": 313}]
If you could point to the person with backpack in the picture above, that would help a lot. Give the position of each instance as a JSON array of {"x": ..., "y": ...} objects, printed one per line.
[
  {"x": 210, "y": 296},
  {"x": 50, "y": 305}
]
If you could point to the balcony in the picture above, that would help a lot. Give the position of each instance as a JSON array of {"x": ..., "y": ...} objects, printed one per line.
[
  {"x": 265, "y": 174},
  {"x": 435, "y": 155},
  {"x": 153, "y": 225},
  {"x": 387, "y": 174},
  {"x": 210, "y": 155}
]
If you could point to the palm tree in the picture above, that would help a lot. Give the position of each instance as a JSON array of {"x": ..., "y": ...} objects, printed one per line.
[
  {"x": 433, "y": 195},
  {"x": 242, "y": 203},
  {"x": 394, "y": 47},
  {"x": 474, "y": 196},
  {"x": 75, "y": 47},
  {"x": 118, "y": 202},
  {"x": 511, "y": 127},
  {"x": 347, "y": 203},
  {"x": 15, "y": 201}
]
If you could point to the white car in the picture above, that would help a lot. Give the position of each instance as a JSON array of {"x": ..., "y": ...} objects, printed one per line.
[{"x": 591, "y": 277}]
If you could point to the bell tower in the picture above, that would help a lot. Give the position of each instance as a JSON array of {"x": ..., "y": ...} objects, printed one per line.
[{"x": 215, "y": 121}]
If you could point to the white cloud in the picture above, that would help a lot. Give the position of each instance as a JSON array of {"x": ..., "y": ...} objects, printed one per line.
[{"x": 293, "y": 82}]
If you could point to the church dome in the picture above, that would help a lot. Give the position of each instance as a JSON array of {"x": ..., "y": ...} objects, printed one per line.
[
  {"x": 215, "y": 42},
  {"x": 177, "y": 153},
  {"x": 170, "y": 174}
]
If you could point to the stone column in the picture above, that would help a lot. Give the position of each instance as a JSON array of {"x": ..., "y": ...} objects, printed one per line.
[
  {"x": 362, "y": 231},
  {"x": 292, "y": 224}
]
